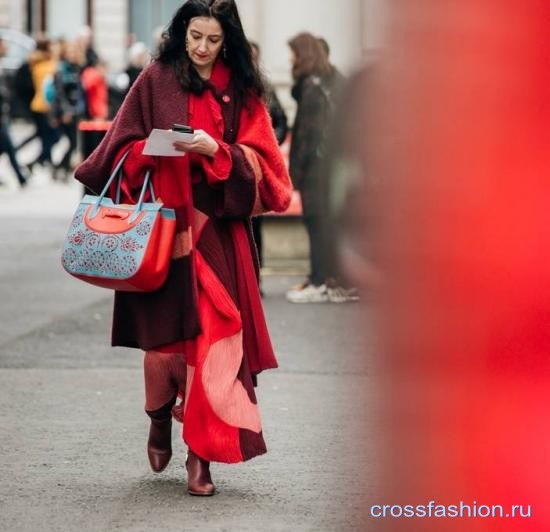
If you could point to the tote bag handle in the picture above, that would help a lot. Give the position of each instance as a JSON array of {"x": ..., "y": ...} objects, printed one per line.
[{"x": 117, "y": 172}]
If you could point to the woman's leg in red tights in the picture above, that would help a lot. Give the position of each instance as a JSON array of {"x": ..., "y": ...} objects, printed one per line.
[{"x": 165, "y": 377}]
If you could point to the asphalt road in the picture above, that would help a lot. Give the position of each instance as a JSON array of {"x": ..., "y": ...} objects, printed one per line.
[{"x": 73, "y": 431}]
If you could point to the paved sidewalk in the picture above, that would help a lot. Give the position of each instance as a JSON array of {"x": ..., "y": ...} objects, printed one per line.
[
  {"x": 73, "y": 431},
  {"x": 41, "y": 197}
]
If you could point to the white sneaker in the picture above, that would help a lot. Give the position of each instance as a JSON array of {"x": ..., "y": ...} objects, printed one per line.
[
  {"x": 308, "y": 294},
  {"x": 338, "y": 294}
]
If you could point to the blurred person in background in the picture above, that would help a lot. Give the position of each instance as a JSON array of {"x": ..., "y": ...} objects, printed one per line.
[
  {"x": 204, "y": 332},
  {"x": 280, "y": 127},
  {"x": 96, "y": 105},
  {"x": 138, "y": 59},
  {"x": 57, "y": 46},
  {"x": 131, "y": 38},
  {"x": 315, "y": 89},
  {"x": 158, "y": 37},
  {"x": 24, "y": 91},
  {"x": 326, "y": 48},
  {"x": 23, "y": 84},
  {"x": 325, "y": 45},
  {"x": 276, "y": 111},
  {"x": 43, "y": 67},
  {"x": 344, "y": 175},
  {"x": 6, "y": 144},
  {"x": 96, "y": 92},
  {"x": 68, "y": 104},
  {"x": 85, "y": 40}
]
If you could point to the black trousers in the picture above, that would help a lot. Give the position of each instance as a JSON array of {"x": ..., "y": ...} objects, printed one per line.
[
  {"x": 317, "y": 259},
  {"x": 48, "y": 136},
  {"x": 70, "y": 131},
  {"x": 6, "y": 146}
]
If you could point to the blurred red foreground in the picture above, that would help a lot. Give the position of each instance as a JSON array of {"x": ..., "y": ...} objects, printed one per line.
[{"x": 459, "y": 138}]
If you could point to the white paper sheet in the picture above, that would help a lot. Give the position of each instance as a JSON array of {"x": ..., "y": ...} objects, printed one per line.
[{"x": 160, "y": 142}]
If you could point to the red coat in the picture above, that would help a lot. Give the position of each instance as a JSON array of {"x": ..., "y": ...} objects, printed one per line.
[
  {"x": 210, "y": 307},
  {"x": 97, "y": 96},
  {"x": 248, "y": 174}
]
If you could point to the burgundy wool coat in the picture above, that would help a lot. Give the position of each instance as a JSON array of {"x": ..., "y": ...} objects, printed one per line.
[{"x": 257, "y": 181}]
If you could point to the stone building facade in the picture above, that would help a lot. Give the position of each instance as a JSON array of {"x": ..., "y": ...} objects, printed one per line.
[{"x": 353, "y": 28}]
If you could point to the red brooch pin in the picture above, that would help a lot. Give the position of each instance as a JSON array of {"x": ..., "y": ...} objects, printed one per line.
[{"x": 226, "y": 98}]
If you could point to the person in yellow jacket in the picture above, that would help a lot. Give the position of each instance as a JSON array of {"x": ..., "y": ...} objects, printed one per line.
[{"x": 43, "y": 66}]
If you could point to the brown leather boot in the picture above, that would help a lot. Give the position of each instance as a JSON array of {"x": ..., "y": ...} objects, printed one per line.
[
  {"x": 159, "y": 445},
  {"x": 198, "y": 472}
]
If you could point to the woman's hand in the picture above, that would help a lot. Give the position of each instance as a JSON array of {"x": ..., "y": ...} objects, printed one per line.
[{"x": 202, "y": 143}]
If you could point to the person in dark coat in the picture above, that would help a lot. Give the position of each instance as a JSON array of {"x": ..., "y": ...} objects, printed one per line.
[
  {"x": 86, "y": 44},
  {"x": 138, "y": 58},
  {"x": 6, "y": 144},
  {"x": 204, "y": 332},
  {"x": 276, "y": 111},
  {"x": 316, "y": 84},
  {"x": 24, "y": 92},
  {"x": 280, "y": 127}
]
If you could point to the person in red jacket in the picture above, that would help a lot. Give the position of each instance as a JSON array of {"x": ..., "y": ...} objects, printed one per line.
[
  {"x": 94, "y": 83},
  {"x": 204, "y": 332}
]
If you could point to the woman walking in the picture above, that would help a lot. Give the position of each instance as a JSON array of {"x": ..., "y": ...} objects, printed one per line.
[{"x": 204, "y": 332}]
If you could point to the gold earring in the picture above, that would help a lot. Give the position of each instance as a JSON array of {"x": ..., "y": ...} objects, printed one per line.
[{"x": 186, "y": 45}]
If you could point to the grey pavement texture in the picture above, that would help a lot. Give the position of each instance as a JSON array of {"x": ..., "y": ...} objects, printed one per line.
[{"x": 73, "y": 431}]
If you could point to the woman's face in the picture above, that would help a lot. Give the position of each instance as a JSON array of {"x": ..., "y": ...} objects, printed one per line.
[{"x": 204, "y": 41}]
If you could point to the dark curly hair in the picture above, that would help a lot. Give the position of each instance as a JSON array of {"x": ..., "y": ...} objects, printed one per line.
[{"x": 237, "y": 56}]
